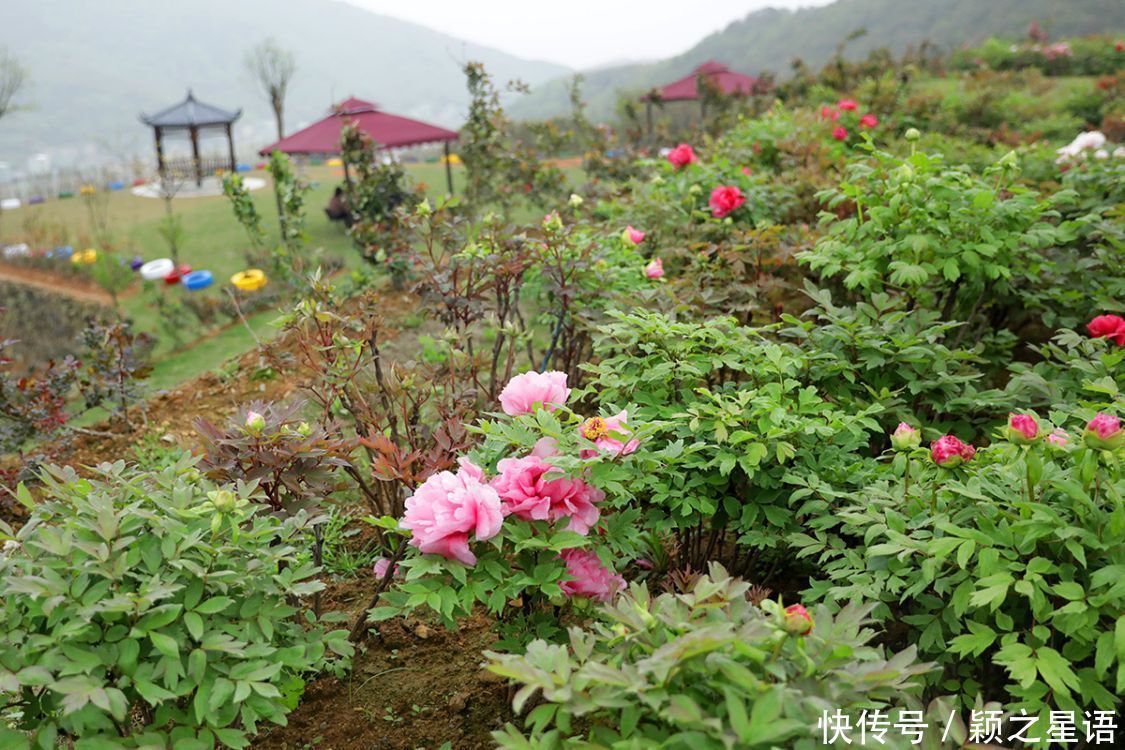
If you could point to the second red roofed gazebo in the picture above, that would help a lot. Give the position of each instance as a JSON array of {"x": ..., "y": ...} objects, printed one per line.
[
  {"x": 710, "y": 73},
  {"x": 387, "y": 130}
]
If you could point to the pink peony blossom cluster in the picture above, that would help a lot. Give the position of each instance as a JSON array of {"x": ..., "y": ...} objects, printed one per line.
[
  {"x": 527, "y": 491},
  {"x": 840, "y": 130},
  {"x": 448, "y": 507},
  {"x": 525, "y": 392},
  {"x": 589, "y": 577}
]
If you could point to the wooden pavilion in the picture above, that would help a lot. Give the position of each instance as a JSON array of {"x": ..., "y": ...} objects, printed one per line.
[{"x": 194, "y": 118}]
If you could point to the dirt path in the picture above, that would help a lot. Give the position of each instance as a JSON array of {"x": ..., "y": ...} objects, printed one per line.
[{"x": 49, "y": 282}]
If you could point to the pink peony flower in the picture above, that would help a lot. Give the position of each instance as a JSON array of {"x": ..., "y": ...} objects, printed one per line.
[
  {"x": 848, "y": 105},
  {"x": 1059, "y": 438},
  {"x": 681, "y": 156},
  {"x": 948, "y": 451},
  {"x": 868, "y": 121},
  {"x": 381, "y": 566},
  {"x": 797, "y": 621},
  {"x": 525, "y": 493},
  {"x": 590, "y": 577},
  {"x": 1104, "y": 432},
  {"x": 840, "y": 133},
  {"x": 545, "y": 447},
  {"x": 633, "y": 236},
  {"x": 747, "y": 171},
  {"x": 655, "y": 269},
  {"x": 448, "y": 507},
  {"x": 604, "y": 433},
  {"x": 905, "y": 437},
  {"x": 829, "y": 113},
  {"x": 1022, "y": 428},
  {"x": 1111, "y": 327},
  {"x": 525, "y": 391},
  {"x": 724, "y": 200}
]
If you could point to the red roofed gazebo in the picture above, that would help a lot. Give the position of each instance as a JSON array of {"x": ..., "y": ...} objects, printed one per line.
[
  {"x": 716, "y": 74},
  {"x": 711, "y": 73},
  {"x": 387, "y": 130}
]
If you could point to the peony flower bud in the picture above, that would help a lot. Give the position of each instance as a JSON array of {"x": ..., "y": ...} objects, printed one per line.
[
  {"x": 303, "y": 429},
  {"x": 905, "y": 437},
  {"x": 1022, "y": 429},
  {"x": 632, "y": 236},
  {"x": 948, "y": 452},
  {"x": 255, "y": 422},
  {"x": 552, "y": 222},
  {"x": 912, "y": 134},
  {"x": 1104, "y": 433},
  {"x": 223, "y": 500},
  {"x": 797, "y": 620},
  {"x": 575, "y": 200}
]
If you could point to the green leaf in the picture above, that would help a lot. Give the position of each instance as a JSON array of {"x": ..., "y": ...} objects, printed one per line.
[{"x": 194, "y": 624}]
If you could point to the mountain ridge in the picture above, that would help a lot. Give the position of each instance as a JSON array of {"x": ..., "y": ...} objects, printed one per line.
[
  {"x": 94, "y": 67},
  {"x": 770, "y": 38}
]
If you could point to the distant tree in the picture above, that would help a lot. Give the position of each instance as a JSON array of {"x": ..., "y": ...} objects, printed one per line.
[
  {"x": 13, "y": 77},
  {"x": 272, "y": 67}
]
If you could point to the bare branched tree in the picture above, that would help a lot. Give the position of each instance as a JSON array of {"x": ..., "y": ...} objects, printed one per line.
[
  {"x": 272, "y": 67},
  {"x": 13, "y": 77}
]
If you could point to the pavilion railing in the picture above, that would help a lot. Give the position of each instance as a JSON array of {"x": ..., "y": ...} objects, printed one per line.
[{"x": 185, "y": 168}]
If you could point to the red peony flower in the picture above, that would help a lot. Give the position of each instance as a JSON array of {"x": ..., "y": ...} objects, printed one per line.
[
  {"x": 840, "y": 133},
  {"x": 724, "y": 200},
  {"x": 848, "y": 105},
  {"x": 868, "y": 121},
  {"x": 1111, "y": 327},
  {"x": 681, "y": 156}
]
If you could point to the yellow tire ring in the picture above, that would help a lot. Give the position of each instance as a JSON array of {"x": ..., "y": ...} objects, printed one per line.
[
  {"x": 87, "y": 256},
  {"x": 249, "y": 280}
]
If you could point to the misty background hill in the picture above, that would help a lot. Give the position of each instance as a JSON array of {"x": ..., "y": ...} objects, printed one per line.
[
  {"x": 769, "y": 40},
  {"x": 96, "y": 64}
]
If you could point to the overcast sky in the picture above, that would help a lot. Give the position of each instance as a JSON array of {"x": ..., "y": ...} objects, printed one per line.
[{"x": 579, "y": 33}]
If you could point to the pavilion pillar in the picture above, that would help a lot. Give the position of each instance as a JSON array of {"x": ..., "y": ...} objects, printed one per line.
[
  {"x": 159, "y": 151},
  {"x": 448, "y": 169},
  {"x": 195, "y": 156},
  {"x": 230, "y": 148}
]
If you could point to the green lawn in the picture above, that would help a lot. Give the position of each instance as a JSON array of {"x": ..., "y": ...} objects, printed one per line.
[{"x": 212, "y": 240}]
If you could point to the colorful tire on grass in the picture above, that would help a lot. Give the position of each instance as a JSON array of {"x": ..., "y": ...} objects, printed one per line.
[
  {"x": 155, "y": 270},
  {"x": 249, "y": 280},
  {"x": 177, "y": 273},
  {"x": 84, "y": 257},
  {"x": 197, "y": 280}
]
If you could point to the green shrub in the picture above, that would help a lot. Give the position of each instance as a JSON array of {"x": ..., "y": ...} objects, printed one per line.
[
  {"x": 740, "y": 430},
  {"x": 1006, "y": 571},
  {"x": 153, "y": 611},
  {"x": 703, "y": 669}
]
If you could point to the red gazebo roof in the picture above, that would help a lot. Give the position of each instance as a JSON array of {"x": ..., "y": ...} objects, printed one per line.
[
  {"x": 389, "y": 131},
  {"x": 725, "y": 79}
]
